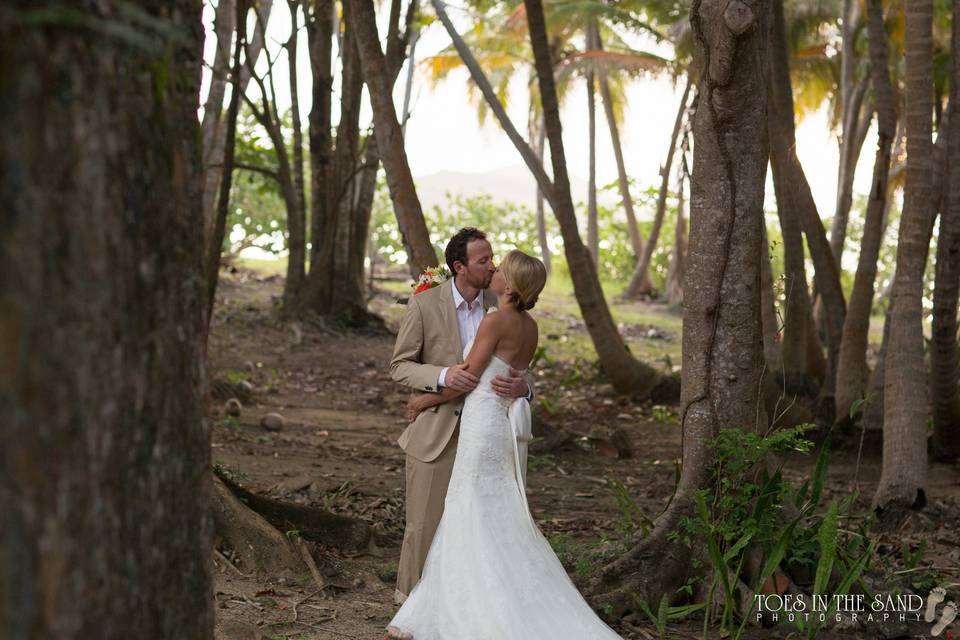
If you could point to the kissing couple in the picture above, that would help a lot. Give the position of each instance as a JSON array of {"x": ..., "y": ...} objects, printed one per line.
[{"x": 474, "y": 565}]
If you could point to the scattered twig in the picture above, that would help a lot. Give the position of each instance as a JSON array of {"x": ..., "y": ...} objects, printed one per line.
[{"x": 301, "y": 601}]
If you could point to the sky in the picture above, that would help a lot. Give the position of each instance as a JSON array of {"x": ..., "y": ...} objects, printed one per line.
[{"x": 444, "y": 134}]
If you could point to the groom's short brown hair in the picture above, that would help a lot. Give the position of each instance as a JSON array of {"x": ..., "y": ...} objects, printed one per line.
[{"x": 457, "y": 247}]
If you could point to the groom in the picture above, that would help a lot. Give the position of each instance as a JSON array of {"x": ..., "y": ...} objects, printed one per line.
[{"x": 428, "y": 356}]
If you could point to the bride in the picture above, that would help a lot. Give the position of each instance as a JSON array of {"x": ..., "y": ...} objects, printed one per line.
[{"x": 490, "y": 574}]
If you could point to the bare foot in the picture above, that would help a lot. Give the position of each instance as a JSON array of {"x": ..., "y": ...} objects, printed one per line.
[{"x": 396, "y": 634}]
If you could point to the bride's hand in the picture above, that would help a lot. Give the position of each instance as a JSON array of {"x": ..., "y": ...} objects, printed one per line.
[{"x": 416, "y": 406}]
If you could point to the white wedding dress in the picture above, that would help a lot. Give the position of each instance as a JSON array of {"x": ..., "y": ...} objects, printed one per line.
[{"x": 490, "y": 574}]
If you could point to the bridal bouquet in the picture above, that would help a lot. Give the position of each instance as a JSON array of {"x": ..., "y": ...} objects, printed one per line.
[{"x": 430, "y": 278}]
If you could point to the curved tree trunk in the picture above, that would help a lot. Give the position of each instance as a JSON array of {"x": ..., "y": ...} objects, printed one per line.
[
  {"x": 793, "y": 184},
  {"x": 106, "y": 529},
  {"x": 636, "y": 238},
  {"x": 403, "y": 193},
  {"x": 642, "y": 273},
  {"x": 943, "y": 351},
  {"x": 856, "y": 121},
  {"x": 625, "y": 372},
  {"x": 722, "y": 359},
  {"x": 852, "y": 372},
  {"x": 903, "y": 478},
  {"x": 797, "y": 304}
]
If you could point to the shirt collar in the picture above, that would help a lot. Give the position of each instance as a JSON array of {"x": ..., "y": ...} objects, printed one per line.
[{"x": 459, "y": 299}]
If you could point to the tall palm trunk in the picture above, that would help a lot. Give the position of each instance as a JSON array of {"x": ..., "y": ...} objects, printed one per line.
[
  {"x": 636, "y": 238},
  {"x": 593, "y": 234},
  {"x": 852, "y": 372},
  {"x": 678, "y": 257},
  {"x": 640, "y": 275},
  {"x": 797, "y": 197},
  {"x": 624, "y": 371},
  {"x": 903, "y": 477},
  {"x": 538, "y": 137},
  {"x": 105, "y": 483},
  {"x": 406, "y": 203},
  {"x": 722, "y": 360},
  {"x": 943, "y": 353}
]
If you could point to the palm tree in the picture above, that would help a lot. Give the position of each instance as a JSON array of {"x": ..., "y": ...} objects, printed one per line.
[
  {"x": 903, "y": 477},
  {"x": 943, "y": 353},
  {"x": 852, "y": 372},
  {"x": 795, "y": 200}
]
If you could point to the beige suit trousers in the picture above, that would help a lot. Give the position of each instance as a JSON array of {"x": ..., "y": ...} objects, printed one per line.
[{"x": 426, "y": 491}]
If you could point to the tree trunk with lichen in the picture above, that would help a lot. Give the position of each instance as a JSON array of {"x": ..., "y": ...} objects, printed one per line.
[
  {"x": 106, "y": 529},
  {"x": 722, "y": 342}
]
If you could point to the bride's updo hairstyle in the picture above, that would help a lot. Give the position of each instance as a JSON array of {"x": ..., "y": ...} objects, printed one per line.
[{"x": 526, "y": 276}]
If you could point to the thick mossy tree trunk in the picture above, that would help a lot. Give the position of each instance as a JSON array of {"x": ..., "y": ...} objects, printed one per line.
[
  {"x": 722, "y": 342},
  {"x": 943, "y": 352},
  {"x": 105, "y": 490},
  {"x": 852, "y": 371},
  {"x": 626, "y": 373},
  {"x": 904, "y": 474}
]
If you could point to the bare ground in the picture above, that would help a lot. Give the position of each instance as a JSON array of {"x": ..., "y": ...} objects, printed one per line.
[{"x": 338, "y": 450}]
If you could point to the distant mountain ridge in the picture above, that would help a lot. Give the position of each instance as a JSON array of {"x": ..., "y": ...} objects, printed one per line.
[{"x": 507, "y": 184}]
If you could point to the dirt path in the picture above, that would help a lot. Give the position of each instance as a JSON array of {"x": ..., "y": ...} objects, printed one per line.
[{"x": 338, "y": 451}]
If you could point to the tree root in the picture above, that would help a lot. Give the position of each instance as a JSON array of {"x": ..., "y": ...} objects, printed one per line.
[
  {"x": 260, "y": 548},
  {"x": 312, "y": 524}
]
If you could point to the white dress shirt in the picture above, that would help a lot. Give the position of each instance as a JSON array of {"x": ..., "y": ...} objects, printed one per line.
[{"x": 469, "y": 316}]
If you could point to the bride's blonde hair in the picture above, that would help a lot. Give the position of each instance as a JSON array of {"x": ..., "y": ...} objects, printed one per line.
[{"x": 524, "y": 274}]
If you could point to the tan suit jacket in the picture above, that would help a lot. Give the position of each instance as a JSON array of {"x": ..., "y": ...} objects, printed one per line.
[{"x": 428, "y": 341}]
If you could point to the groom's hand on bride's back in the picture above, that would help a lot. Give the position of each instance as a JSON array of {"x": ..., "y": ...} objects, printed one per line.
[
  {"x": 458, "y": 377},
  {"x": 513, "y": 385}
]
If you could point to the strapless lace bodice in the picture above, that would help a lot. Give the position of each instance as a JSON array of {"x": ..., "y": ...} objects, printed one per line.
[{"x": 490, "y": 573}]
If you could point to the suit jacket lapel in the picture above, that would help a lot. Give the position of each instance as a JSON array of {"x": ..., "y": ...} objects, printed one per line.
[{"x": 449, "y": 315}]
